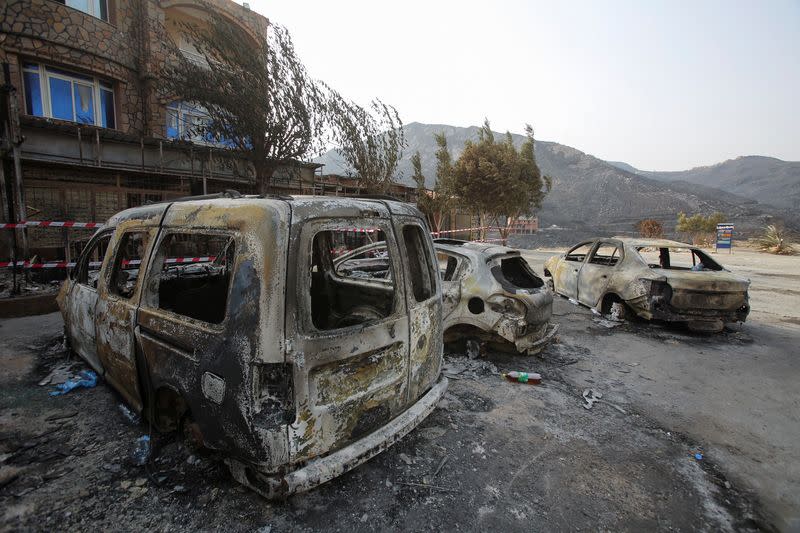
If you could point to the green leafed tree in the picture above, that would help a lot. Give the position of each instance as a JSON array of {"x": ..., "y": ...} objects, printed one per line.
[
  {"x": 497, "y": 181},
  {"x": 258, "y": 96},
  {"x": 369, "y": 140},
  {"x": 436, "y": 202},
  {"x": 699, "y": 228}
]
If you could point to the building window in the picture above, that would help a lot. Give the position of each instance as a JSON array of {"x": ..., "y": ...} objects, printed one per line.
[
  {"x": 95, "y": 8},
  {"x": 188, "y": 122},
  {"x": 55, "y": 93}
]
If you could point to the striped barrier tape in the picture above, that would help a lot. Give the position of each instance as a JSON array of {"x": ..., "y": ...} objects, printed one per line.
[
  {"x": 49, "y": 224},
  {"x": 462, "y": 230},
  {"x": 96, "y": 264}
]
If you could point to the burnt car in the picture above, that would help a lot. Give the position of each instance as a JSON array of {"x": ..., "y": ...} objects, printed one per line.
[
  {"x": 225, "y": 316},
  {"x": 489, "y": 292},
  {"x": 652, "y": 279}
]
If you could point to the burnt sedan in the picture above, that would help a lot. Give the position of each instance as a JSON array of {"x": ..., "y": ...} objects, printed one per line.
[
  {"x": 490, "y": 293},
  {"x": 653, "y": 279}
]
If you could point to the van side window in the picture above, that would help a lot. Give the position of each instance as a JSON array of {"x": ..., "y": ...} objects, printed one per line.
[
  {"x": 194, "y": 273},
  {"x": 127, "y": 262},
  {"x": 352, "y": 282},
  {"x": 88, "y": 271},
  {"x": 421, "y": 270}
]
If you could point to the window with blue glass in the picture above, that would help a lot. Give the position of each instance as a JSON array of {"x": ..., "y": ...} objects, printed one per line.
[
  {"x": 95, "y": 8},
  {"x": 56, "y": 93},
  {"x": 188, "y": 122}
]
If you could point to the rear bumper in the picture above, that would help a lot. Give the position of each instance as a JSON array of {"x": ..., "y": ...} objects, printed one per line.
[
  {"x": 534, "y": 343},
  {"x": 658, "y": 309},
  {"x": 318, "y": 471}
]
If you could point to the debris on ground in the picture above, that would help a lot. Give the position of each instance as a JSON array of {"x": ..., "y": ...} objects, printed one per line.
[
  {"x": 607, "y": 323},
  {"x": 84, "y": 378},
  {"x": 132, "y": 418},
  {"x": 461, "y": 367},
  {"x": 591, "y": 397},
  {"x": 59, "y": 374},
  {"x": 523, "y": 377},
  {"x": 142, "y": 450}
]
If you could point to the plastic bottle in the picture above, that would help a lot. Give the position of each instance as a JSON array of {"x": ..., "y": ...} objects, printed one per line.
[
  {"x": 523, "y": 377},
  {"x": 142, "y": 450}
]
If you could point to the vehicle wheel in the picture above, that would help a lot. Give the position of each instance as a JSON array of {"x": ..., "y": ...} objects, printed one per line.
[
  {"x": 551, "y": 285},
  {"x": 618, "y": 311}
]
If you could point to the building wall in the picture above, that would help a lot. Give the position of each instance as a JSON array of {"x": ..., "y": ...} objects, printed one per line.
[
  {"x": 67, "y": 168},
  {"x": 129, "y": 50}
]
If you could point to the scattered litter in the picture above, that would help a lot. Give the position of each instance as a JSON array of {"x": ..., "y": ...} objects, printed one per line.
[
  {"x": 441, "y": 465},
  {"x": 129, "y": 415},
  {"x": 58, "y": 375},
  {"x": 595, "y": 311},
  {"x": 607, "y": 323},
  {"x": 180, "y": 489},
  {"x": 85, "y": 378},
  {"x": 460, "y": 367},
  {"x": 523, "y": 377},
  {"x": 142, "y": 450},
  {"x": 698, "y": 456},
  {"x": 591, "y": 397},
  {"x": 573, "y": 301},
  {"x": 406, "y": 459},
  {"x": 424, "y": 485}
]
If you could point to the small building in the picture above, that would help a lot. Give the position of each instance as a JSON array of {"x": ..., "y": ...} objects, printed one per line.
[{"x": 524, "y": 225}]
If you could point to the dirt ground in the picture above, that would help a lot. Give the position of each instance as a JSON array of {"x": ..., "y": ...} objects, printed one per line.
[{"x": 498, "y": 455}]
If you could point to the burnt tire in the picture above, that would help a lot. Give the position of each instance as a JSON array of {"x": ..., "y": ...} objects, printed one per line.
[{"x": 619, "y": 311}]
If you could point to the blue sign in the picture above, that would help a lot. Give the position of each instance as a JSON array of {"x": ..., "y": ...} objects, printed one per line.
[{"x": 724, "y": 236}]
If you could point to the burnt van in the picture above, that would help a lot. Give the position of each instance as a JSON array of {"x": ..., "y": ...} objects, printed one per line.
[{"x": 227, "y": 315}]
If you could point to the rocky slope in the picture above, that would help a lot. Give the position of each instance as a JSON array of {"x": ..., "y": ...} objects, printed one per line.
[{"x": 588, "y": 192}]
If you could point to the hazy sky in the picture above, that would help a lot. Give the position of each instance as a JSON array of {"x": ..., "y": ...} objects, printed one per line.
[{"x": 660, "y": 85}]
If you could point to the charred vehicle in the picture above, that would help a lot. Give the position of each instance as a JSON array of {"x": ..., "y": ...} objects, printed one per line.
[
  {"x": 653, "y": 279},
  {"x": 491, "y": 293},
  {"x": 226, "y": 316}
]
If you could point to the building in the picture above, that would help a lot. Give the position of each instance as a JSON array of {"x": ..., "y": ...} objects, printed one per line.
[
  {"x": 88, "y": 133},
  {"x": 524, "y": 225}
]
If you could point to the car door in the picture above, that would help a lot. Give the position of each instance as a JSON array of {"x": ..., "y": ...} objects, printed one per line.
[
  {"x": 450, "y": 268},
  {"x": 596, "y": 272},
  {"x": 82, "y": 299},
  {"x": 565, "y": 278},
  {"x": 118, "y": 300},
  {"x": 424, "y": 301},
  {"x": 347, "y": 333}
]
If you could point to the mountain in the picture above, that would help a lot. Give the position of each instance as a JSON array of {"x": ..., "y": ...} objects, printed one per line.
[
  {"x": 623, "y": 166},
  {"x": 588, "y": 193},
  {"x": 765, "y": 179}
]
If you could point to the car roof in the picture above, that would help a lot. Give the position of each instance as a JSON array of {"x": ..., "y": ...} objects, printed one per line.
[
  {"x": 473, "y": 248},
  {"x": 640, "y": 242},
  {"x": 231, "y": 200}
]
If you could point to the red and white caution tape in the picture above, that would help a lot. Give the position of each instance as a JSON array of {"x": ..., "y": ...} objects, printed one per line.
[
  {"x": 97, "y": 264},
  {"x": 462, "y": 230},
  {"x": 50, "y": 224}
]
